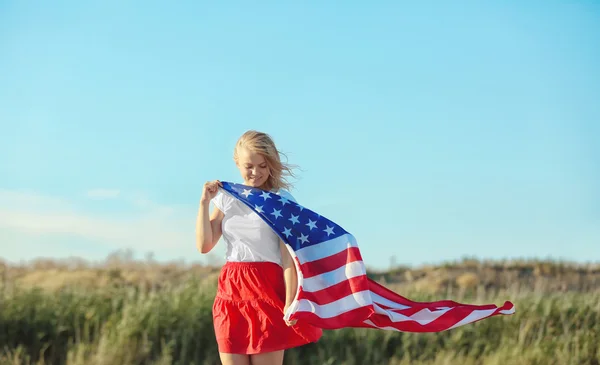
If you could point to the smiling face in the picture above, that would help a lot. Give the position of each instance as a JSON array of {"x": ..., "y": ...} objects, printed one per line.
[{"x": 253, "y": 167}]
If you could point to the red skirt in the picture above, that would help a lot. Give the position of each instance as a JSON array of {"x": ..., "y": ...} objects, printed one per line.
[{"x": 248, "y": 311}]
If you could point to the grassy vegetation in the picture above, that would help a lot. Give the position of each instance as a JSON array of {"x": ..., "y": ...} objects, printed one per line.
[{"x": 146, "y": 313}]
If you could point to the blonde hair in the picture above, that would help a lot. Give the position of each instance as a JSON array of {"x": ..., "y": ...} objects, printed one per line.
[{"x": 263, "y": 144}]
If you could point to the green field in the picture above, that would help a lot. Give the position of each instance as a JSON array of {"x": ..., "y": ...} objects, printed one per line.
[{"x": 168, "y": 321}]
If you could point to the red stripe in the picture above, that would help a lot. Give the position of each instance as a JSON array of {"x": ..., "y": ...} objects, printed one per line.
[
  {"x": 329, "y": 263},
  {"x": 337, "y": 291},
  {"x": 384, "y": 292},
  {"x": 396, "y": 298}
]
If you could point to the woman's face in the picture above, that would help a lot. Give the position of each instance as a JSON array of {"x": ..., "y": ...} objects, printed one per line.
[{"x": 253, "y": 167}]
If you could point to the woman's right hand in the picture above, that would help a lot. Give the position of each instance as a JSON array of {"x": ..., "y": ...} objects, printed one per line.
[{"x": 210, "y": 190}]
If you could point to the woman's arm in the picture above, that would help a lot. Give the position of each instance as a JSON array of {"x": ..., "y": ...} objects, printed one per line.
[
  {"x": 208, "y": 230},
  {"x": 290, "y": 276}
]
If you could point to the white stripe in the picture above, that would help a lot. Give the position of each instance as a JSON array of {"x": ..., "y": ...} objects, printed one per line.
[
  {"x": 333, "y": 277},
  {"x": 370, "y": 323},
  {"x": 388, "y": 303},
  {"x": 326, "y": 248},
  {"x": 394, "y": 317},
  {"x": 345, "y": 304},
  {"x": 474, "y": 316},
  {"x": 424, "y": 316},
  {"x": 362, "y": 299}
]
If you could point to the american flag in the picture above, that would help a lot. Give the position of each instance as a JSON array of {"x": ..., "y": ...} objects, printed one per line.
[{"x": 333, "y": 288}]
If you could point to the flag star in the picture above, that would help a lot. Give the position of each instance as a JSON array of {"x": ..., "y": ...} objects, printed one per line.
[
  {"x": 247, "y": 192},
  {"x": 329, "y": 230},
  {"x": 276, "y": 213},
  {"x": 265, "y": 195},
  {"x": 301, "y": 207},
  {"x": 303, "y": 238},
  {"x": 287, "y": 232},
  {"x": 311, "y": 224},
  {"x": 294, "y": 219},
  {"x": 258, "y": 208},
  {"x": 283, "y": 200}
]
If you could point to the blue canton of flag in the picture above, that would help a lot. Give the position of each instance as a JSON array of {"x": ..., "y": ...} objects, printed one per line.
[{"x": 297, "y": 226}]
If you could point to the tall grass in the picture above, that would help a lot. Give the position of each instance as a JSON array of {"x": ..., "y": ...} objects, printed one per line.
[{"x": 173, "y": 325}]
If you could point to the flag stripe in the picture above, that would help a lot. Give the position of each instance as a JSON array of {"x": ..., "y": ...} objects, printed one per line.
[
  {"x": 508, "y": 311},
  {"x": 473, "y": 317},
  {"x": 397, "y": 301},
  {"x": 330, "y": 263},
  {"x": 454, "y": 317},
  {"x": 387, "y": 295},
  {"x": 331, "y": 278},
  {"x": 337, "y": 291},
  {"x": 424, "y": 316},
  {"x": 347, "y": 319},
  {"x": 326, "y": 248},
  {"x": 335, "y": 308},
  {"x": 442, "y": 323},
  {"x": 384, "y": 302}
]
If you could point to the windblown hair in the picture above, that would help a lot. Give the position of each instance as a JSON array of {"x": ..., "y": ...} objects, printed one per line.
[{"x": 263, "y": 144}]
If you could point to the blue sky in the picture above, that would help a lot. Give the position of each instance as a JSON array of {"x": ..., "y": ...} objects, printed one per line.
[{"x": 431, "y": 132}]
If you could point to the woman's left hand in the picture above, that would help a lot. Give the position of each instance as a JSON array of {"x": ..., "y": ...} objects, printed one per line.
[{"x": 289, "y": 323}]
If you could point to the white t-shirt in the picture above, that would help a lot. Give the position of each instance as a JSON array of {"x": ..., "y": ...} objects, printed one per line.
[{"x": 247, "y": 237}]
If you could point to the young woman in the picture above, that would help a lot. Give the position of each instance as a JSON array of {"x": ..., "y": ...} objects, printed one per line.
[{"x": 259, "y": 279}]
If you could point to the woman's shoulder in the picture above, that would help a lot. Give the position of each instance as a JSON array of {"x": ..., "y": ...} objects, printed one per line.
[{"x": 223, "y": 200}]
